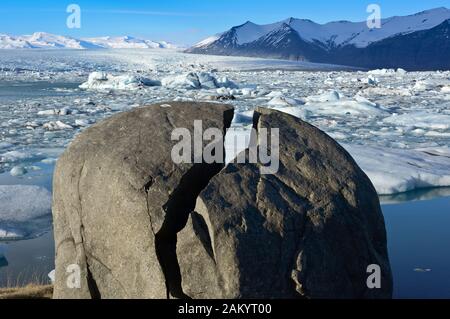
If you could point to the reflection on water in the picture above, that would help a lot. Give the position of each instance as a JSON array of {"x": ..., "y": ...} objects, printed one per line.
[
  {"x": 3, "y": 261},
  {"x": 416, "y": 195},
  {"x": 27, "y": 261},
  {"x": 419, "y": 247}
]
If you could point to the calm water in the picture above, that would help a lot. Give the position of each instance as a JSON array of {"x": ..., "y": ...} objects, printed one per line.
[
  {"x": 27, "y": 261},
  {"x": 9, "y": 91},
  {"x": 419, "y": 247},
  {"x": 418, "y": 242}
]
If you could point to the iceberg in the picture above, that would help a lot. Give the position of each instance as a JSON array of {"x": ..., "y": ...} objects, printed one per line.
[
  {"x": 25, "y": 211},
  {"x": 105, "y": 81},
  {"x": 56, "y": 126},
  {"x": 421, "y": 119},
  {"x": 197, "y": 80},
  {"x": 401, "y": 170}
]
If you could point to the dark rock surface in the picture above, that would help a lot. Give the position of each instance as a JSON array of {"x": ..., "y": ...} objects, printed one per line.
[
  {"x": 140, "y": 226},
  {"x": 310, "y": 230},
  {"x": 119, "y": 200}
]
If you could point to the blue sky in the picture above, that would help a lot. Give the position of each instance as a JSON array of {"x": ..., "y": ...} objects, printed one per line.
[{"x": 184, "y": 21}]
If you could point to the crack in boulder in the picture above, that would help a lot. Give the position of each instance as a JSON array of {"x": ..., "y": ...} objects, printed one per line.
[
  {"x": 275, "y": 236},
  {"x": 177, "y": 210},
  {"x": 214, "y": 231}
]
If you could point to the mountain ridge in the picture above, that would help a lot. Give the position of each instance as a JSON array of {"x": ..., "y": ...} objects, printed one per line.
[
  {"x": 44, "y": 40},
  {"x": 327, "y": 43}
]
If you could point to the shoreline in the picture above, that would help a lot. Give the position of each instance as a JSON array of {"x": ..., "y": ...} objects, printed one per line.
[{"x": 27, "y": 292}]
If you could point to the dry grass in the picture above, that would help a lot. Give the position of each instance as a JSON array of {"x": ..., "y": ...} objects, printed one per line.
[
  {"x": 26, "y": 286},
  {"x": 27, "y": 292}
]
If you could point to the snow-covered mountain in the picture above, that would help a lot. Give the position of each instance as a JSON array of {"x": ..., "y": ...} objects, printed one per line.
[
  {"x": 44, "y": 40},
  {"x": 128, "y": 42},
  {"x": 301, "y": 39}
]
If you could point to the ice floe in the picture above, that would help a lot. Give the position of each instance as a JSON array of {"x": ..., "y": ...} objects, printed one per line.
[
  {"x": 425, "y": 120},
  {"x": 333, "y": 103},
  {"x": 105, "y": 81},
  {"x": 18, "y": 171},
  {"x": 51, "y": 275},
  {"x": 284, "y": 101},
  {"x": 387, "y": 72},
  {"x": 401, "y": 170},
  {"x": 25, "y": 211},
  {"x": 57, "y": 125},
  {"x": 294, "y": 111},
  {"x": 63, "y": 111},
  {"x": 15, "y": 156},
  {"x": 197, "y": 80}
]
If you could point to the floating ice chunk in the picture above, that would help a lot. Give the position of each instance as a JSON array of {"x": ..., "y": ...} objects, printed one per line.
[
  {"x": 420, "y": 120},
  {"x": 422, "y": 269},
  {"x": 344, "y": 107},
  {"x": 48, "y": 112},
  {"x": 332, "y": 96},
  {"x": 57, "y": 125},
  {"x": 207, "y": 81},
  {"x": 51, "y": 276},
  {"x": 25, "y": 211},
  {"x": 401, "y": 170},
  {"x": 445, "y": 89},
  {"x": 381, "y": 71},
  {"x": 371, "y": 80},
  {"x": 23, "y": 202},
  {"x": 246, "y": 91},
  {"x": 362, "y": 99},
  {"x": 223, "y": 91},
  {"x": 243, "y": 117},
  {"x": 63, "y": 111},
  {"x": 275, "y": 94},
  {"x": 227, "y": 83},
  {"x": 104, "y": 81},
  {"x": 438, "y": 151},
  {"x": 423, "y": 85},
  {"x": 18, "y": 171},
  {"x": 387, "y": 72},
  {"x": 437, "y": 134},
  {"x": 14, "y": 156},
  {"x": 284, "y": 101},
  {"x": 10, "y": 234},
  {"x": 197, "y": 80},
  {"x": 49, "y": 160},
  {"x": 98, "y": 76},
  {"x": 294, "y": 111},
  {"x": 189, "y": 80},
  {"x": 337, "y": 135},
  {"x": 82, "y": 122},
  {"x": 387, "y": 91}
]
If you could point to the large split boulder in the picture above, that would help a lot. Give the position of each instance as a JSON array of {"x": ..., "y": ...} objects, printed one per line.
[
  {"x": 139, "y": 225},
  {"x": 310, "y": 230},
  {"x": 119, "y": 200}
]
